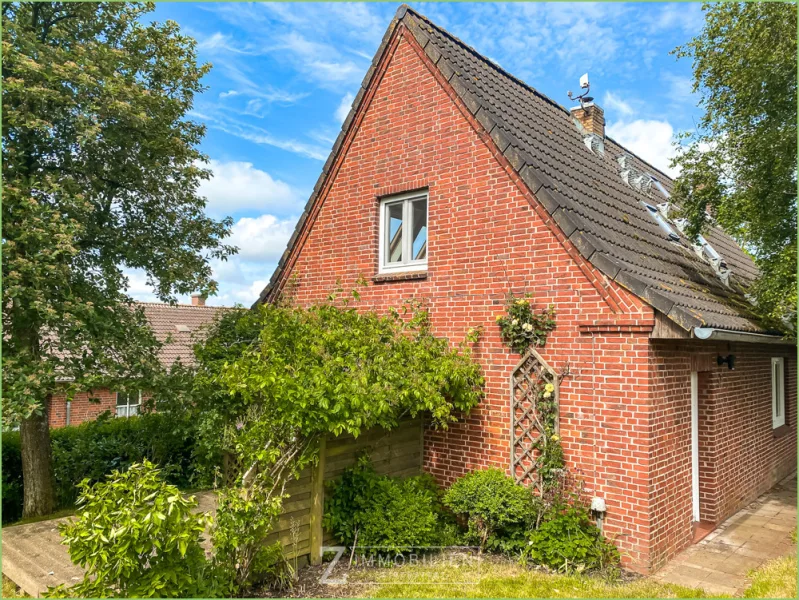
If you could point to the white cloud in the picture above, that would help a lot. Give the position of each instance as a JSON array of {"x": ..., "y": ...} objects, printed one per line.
[
  {"x": 344, "y": 107},
  {"x": 218, "y": 118},
  {"x": 137, "y": 286},
  {"x": 681, "y": 87},
  {"x": 261, "y": 239},
  {"x": 615, "y": 103},
  {"x": 320, "y": 62},
  {"x": 229, "y": 93},
  {"x": 650, "y": 139},
  {"x": 237, "y": 186}
]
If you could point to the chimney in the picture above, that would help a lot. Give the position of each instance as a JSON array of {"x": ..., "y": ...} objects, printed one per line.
[
  {"x": 591, "y": 117},
  {"x": 197, "y": 299}
]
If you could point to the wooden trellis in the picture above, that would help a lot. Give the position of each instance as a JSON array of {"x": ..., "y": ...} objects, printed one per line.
[{"x": 530, "y": 375}]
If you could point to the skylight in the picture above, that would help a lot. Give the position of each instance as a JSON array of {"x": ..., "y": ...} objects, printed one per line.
[
  {"x": 707, "y": 252},
  {"x": 660, "y": 187},
  {"x": 660, "y": 220}
]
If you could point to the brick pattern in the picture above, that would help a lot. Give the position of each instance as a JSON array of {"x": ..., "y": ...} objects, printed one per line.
[
  {"x": 625, "y": 407},
  {"x": 485, "y": 239},
  {"x": 82, "y": 409},
  {"x": 739, "y": 455}
]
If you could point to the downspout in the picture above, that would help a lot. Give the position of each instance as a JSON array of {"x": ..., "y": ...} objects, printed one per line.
[
  {"x": 69, "y": 412},
  {"x": 724, "y": 335}
]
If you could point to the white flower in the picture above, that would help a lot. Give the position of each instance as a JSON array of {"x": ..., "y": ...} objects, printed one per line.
[
  {"x": 527, "y": 327},
  {"x": 515, "y": 322},
  {"x": 547, "y": 394}
]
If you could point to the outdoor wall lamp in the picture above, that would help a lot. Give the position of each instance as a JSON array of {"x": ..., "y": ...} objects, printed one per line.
[
  {"x": 598, "y": 510},
  {"x": 729, "y": 360}
]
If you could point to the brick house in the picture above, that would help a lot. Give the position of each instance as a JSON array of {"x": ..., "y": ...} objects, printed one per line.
[
  {"x": 454, "y": 182},
  {"x": 176, "y": 327}
]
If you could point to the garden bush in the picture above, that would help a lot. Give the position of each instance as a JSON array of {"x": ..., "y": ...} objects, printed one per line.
[
  {"x": 136, "y": 536},
  {"x": 394, "y": 514},
  {"x": 96, "y": 448},
  {"x": 497, "y": 512},
  {"x": 567, "y": 540}
]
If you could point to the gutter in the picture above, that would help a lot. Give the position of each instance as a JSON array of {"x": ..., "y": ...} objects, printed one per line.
[{"x": 724, "y": 335}]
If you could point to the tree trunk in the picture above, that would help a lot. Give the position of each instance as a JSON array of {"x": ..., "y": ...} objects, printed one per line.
[{"x": 37, "y": 465}]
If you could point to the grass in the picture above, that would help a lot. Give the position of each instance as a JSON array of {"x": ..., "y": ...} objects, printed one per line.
[
  {"x": 775, "y": 579},
  {"x": 10, "y": 589},
  {"x": 503, "y": 579}
]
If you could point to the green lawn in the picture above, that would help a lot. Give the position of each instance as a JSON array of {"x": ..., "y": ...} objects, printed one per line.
[
  {"x": 503, "y": 579},
  {"x": 775, "y": 579},
  {"x": 10, "y": 589}
]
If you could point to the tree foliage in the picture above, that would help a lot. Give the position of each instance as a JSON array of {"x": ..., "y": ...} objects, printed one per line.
[
  {"x": 740, "y": 163},
  {"x": 100, "y": 173}
]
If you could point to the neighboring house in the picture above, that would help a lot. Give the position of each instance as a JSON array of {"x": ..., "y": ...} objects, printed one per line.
[
  {"x": 176, "y": 327},
  {"x": 454, "y": 182}
]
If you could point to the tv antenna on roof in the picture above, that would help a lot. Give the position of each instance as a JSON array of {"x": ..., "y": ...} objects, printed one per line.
[{"x": 584, "y": 97}]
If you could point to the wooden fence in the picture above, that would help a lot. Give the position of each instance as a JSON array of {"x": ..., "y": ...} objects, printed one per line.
[{"x": 397, "y": 453}]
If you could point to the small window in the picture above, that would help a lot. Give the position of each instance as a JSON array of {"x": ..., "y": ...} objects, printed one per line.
[
  {"x": 403, "y": 233},
  {"x": 777, "y": 392},
  {"x": 655, "y": 214},
  {"x": 128, "y": 404},
  {"x": 711, "y": 251}
]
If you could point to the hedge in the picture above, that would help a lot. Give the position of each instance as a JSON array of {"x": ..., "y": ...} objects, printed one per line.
[{"x": 96, "y": 448}]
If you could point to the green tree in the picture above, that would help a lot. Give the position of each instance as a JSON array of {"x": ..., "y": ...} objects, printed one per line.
[
  {"x": 740, "y": 163},
  {"x": 100, "y": 170}
]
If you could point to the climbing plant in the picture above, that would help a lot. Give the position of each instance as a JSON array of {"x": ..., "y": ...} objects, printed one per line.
[
  {"x": 522, "y": 327},
  {"x": 537, "y": 445},
  {"x": 274, "y": 380}
]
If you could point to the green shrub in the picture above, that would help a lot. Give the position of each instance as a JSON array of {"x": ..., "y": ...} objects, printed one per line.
[
  {"x": 394, "y": 514},
  {"x": 244, "y": 520},
  {"x": 567, "y": 540},
  {"x": 136, "y": 536},
  {"x": 97, "y": 448},
  {"x": 12, "y": 477},
  {"x": 496, "y": 510}
]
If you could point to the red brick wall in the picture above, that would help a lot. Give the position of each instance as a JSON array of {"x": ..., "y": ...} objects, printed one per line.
[
  {"x": 485, "y": 239},
  {"x": 739, "y": 455},
  {"x": 625, "y": 406},
  {"x": 82, "y": 409}
]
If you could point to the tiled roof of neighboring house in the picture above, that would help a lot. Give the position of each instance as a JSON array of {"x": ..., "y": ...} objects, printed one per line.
[
  {"x": 179, "y": 327},
  {"x": 582, "y": 190}
]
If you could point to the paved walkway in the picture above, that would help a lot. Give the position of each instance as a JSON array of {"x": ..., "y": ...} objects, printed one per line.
[
  {"x": 35, "y": 559},
  {"x": 720, "y": 563}
]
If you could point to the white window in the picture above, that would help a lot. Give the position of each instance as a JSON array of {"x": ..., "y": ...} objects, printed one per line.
[
  {"x": 128, "y": 404},
  {"x": 403, "y": 233},
  {"x": 777, "y": 392}
]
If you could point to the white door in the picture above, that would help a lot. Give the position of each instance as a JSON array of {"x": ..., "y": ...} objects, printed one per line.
[{"x": 695, "y": 444}]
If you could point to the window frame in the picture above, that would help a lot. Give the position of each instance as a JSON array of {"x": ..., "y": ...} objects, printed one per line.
[
  {"x": 406, "y": 200},
  {"x": 777, "y": 392},
  {"x": 127, "y": 406}
]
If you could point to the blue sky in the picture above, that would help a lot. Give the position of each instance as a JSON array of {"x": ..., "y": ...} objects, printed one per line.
[{"x": 284, "y": 75}]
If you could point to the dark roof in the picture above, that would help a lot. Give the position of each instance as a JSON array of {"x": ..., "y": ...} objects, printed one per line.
[
  {"x": 583, "y": 191},
  {"x": 179, "y": 327}
]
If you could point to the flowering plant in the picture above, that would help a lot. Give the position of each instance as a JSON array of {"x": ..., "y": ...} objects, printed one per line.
[{"x": 522, "y": 326}]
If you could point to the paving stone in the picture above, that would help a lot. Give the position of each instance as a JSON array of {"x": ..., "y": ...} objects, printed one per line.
[{"x": 720, "y": 563}]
